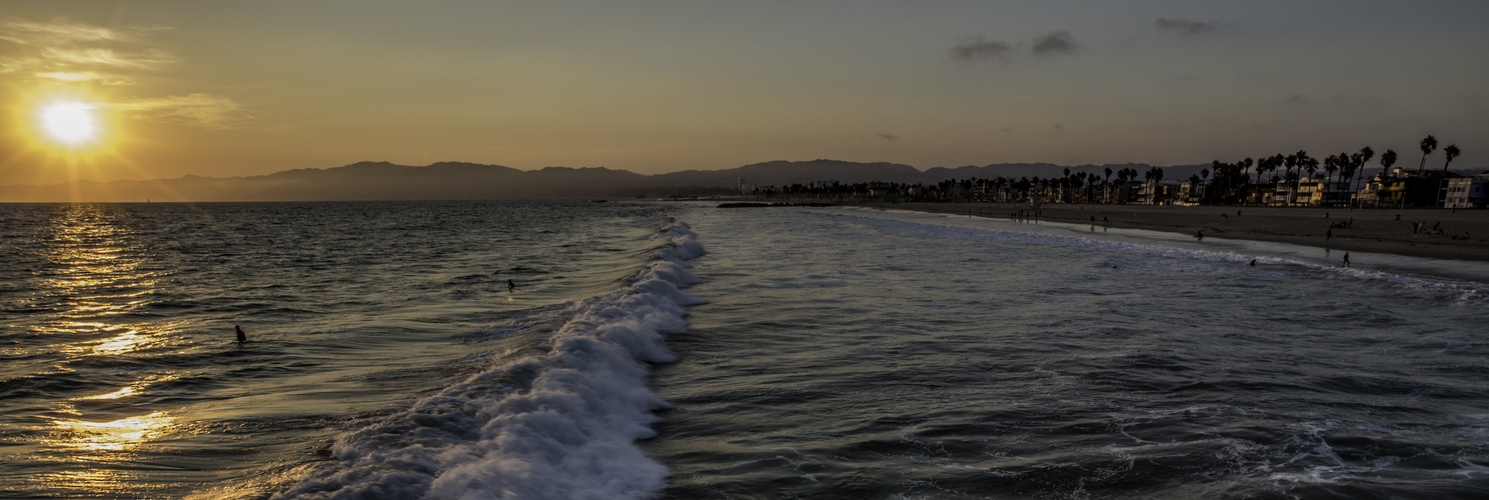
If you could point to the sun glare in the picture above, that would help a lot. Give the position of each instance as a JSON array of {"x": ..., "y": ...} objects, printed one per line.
[{"x": 69, "y": 122}]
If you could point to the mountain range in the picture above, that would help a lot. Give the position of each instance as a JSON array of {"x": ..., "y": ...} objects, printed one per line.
[{"x": 456, "y": 181}]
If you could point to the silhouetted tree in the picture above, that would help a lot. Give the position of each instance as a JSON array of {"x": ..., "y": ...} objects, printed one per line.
[
  {"x": 1428, "y": 145},
  {"x": 1387, "y": 159},
  {"x": 1450, "y": 152},
  {"x": 1290, "y": 162},
  {"x": 1332, "y": 164},
  {"x": 1357, "y": 163}
]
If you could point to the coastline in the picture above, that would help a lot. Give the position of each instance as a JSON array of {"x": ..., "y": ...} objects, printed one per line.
[{"x": 1367, "y": 230}]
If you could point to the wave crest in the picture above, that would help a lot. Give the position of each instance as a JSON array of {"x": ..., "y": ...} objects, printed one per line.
[{"x": 559, "y": 424}]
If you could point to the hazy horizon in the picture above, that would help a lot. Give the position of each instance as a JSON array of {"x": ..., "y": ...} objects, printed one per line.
[{"x": 221, "y": 89}]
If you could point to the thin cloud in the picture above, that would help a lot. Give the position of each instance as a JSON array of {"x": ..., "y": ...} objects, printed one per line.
[
  {"x": 64, "y": 52},
  {"x": 1186, "y": 27},
  {"x": 44, "y": 34},
  {"x": 205, "y": 110},
  {"x": 85, "y": 76},
  {"x": 1055, "y": 43},
  {"x": 980, "y": 48},
  {"x": 107, "y": 57}
]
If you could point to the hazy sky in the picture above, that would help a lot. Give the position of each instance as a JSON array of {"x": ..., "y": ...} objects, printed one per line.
[{"x": 219, "y": 88}]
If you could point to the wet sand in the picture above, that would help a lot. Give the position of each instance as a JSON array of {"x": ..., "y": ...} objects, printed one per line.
[{"x": 1372, "y": 230}]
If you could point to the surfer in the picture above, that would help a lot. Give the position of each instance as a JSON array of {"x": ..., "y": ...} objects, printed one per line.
[
  {"x": 1199, "y": 235},
  {"x": 511, "y": 286},
  {"x": 1253, "y": 262},
  {"x": 242, "y": 337}
]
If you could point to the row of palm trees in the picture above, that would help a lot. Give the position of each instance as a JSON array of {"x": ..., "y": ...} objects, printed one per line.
[
  {"x": 1227, "y": 182},
  {"x": 1350, "y": 166}
]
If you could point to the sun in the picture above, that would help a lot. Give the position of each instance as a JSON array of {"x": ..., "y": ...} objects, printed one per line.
[{"x": 70, "y": 122}]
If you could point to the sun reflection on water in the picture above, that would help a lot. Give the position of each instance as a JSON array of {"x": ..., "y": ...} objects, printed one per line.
[
  {"x": 101, "y": 455},
  {"x": 93, "y": 264},
  {"x": 133, "y": 389},
  {"x": 93, "y": 284},
  {"x": 117, "y": 435},
  {"x": 127, "y": 342}
]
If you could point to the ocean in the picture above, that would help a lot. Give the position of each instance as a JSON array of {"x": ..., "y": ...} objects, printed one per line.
[{"x": 679, "y": 351}]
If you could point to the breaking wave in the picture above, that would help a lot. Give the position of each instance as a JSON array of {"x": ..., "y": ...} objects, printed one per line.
[{"x": 559, "y": 420}]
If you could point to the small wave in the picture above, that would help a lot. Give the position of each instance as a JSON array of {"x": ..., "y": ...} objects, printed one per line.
[{"x": 559, "y": 424}]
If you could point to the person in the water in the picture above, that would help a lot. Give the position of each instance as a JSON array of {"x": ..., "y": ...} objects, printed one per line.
[
  {"x": 242, "y": 337},
  {"x": 511, "y": 286}
]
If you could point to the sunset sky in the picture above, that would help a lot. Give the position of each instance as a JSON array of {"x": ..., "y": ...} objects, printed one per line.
[{"x": 217, "y": 88}]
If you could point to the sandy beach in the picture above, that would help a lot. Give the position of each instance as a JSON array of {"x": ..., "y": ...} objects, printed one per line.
[{"x": 1371, "y": 230}]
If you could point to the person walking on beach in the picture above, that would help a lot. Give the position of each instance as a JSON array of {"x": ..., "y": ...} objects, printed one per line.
[
  {"x": 1346, "y": 259},
  {"x": 1199, "y": 235}
]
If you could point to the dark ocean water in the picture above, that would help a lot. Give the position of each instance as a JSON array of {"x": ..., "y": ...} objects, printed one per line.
[
  {"x": 856, "y": 354},
  {"x": 814, "y": 353}
]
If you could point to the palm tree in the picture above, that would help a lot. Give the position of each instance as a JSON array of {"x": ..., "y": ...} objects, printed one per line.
[
  {"x": 1348, "y": 164},
  {"x": 1450, "y": 152},
  {"x": 1288, "y": 163},
  {"x": 1429, "y": 144},
  {"x": 1387, "y": 159},
  {"x": 1358, "y": 161},
  {"x": 1153, "y": 175}
]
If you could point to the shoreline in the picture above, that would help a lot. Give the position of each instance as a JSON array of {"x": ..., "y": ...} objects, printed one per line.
[{"x": 1365, "y": 230}]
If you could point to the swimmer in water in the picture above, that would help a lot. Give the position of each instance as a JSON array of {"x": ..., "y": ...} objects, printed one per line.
[
  {"x": 242, "y": 337},
  {"x": 511, "y": 286}
]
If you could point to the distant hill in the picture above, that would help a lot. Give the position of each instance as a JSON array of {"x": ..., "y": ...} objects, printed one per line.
[
  {"x": 456, "y": 181},
  {"x": 780, "y": 173}
]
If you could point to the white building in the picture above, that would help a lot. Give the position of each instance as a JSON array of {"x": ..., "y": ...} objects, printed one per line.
[{"x": 1467, "y": 192}]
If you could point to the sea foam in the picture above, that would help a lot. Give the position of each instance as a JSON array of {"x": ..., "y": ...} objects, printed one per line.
[{"x": 561, "y": 424}]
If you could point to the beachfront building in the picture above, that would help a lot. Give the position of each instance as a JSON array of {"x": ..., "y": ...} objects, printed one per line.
[
  {"x": 1404, "y": 189},
  {"x": 1128, "y": 192},
  {"x": 1322, "y": 193},
  {"x": 1284, "y": 194},
  {"x": 1190, "y": 193},
  {"x": 1369, "y": 194},
  {"x": 1157, "y": 193},
  {"x": 1467, "y": 192},
  {"x": 1257, "y": 194}
]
